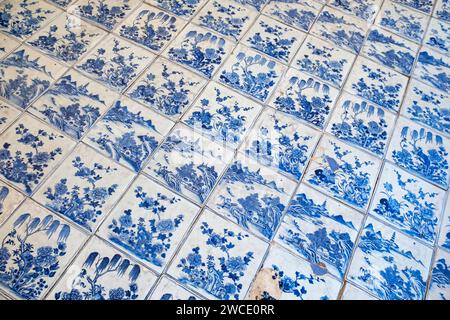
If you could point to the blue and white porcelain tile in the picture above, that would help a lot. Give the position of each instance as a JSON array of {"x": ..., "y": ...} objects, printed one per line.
[
  {"x": 10, "y": 199},
  {"x": 22, "y": 18},
  {"x": 100, "y": 272},
  {"x": 297, "y": 280},
  {"x": 115, "y": 63},
  {"x": 281, "y": 142},
  {"x": 363, "y": 9},
  {"x": 362, "y": 124},
  {"x": 150, "y": 27},
  {"x": 8, "y": 114},
  {"x": 438, "y": 36},
  {"x": 344, "y": 172},
  {"x": 228, "y": 18},
  {"x": 67, "y": 38},
  {"x": 128, "y": 133},
  {"x": 342, "y": 30},
  {"x": 218, "y": 259},
  {"x": 299, "y": 14},
  {"x": 305, "y": 98},
  {"x": 442, "y": 10},
  {"x": 444, "y": 236},
  {"x": 253, "y": 196},
  {"x": 352, "y": 292},
  {"x": 29, "y": 151},
  {"x": 185, "y": 9},
  {"x": 427, "y": 106},
  {"x": 222, "y": 115},
  {"x": 251, "y": 73},
  {"x": 433, "y": 69},
  {"x": 274, "y": 39},
  {"x": 421, "y": 151},
  {"x": 37, "y": 247},
  {"x": 149, "y": 223},
  {"x": 189, "y": 163},
  {"x": 257, "y": 5},
  {"x": 408, "y": 203},
  {"x": 199, "y": 49},
  {"x": 25, "y": 74},
  {"x": 167, "y": 289},
  {"x": 377, "y": 84},
  {"x": 425, "y": 6},
  {"x": 321, "y": 59},
  {"x": 390, "y": 50},
  {"x": 7, "y": 44},
  {"x": 104, "y": 13},
  {"x": 439, "y": 288},
  {"x": 389, "y": 264},
  {"x": 84, "y": 188},
  {"x": 403, "y": 21},
  {"x": 312, "y": 216},
  {"x": 167, "y": 87},
  {"x": 73, "y": 104}
]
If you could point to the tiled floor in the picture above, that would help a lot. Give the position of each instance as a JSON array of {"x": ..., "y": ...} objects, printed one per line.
[{"x": 232, "y": 149}]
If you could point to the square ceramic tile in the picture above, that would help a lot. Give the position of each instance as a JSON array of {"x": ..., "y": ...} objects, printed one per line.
[
  {"x": 149, "y": 223},
  {"x": 286, "y": 277},
  {"x": 442, "y": 10},
  {"x": 22, "y": 18},
  {"x": 408, "y": 203},
  {"x": 199, "y": 50},
  {"x": 444, "y": 236},
  {"x": 73, "y": 104},
  {"x": 7, "y": 44},
  {"x": 29, "y": 151},
  {"x": 425, "y": 6},
  {"x": 280, "y": 142},
  {"x": 100, "y": 272},
  {"x": 377, "y": 84},
  {"x": 305, "y": 98},
  {"x": 167, "y": 87},
  {"x": 189, "y": 163},
  {"x": 403, "y": 21},
  {"x": 362, "y": 124},
  {"x": 390, "y": 265},
  {"x": 229, "y": 18},
  {"x": 151, "y": 28},
  {"x": 182, "y": 8},
  {"x": 363, "y": 9},
  {"x": 428, "y": 106},
  {"x": 344, "y": 172},
  {"x": 274, "y": 39},
  {"x": 10, "y": 199},
  {"x": 104, "y": 13},
  {"x": 129, "y": 133},
  {"x": 321, "y": 59},
  {"x": 67, "y": 38},
  {"x": 84, "y": 188},
  {"x": 168, "y": 289},
  {"x": 37, "y": 246},
  {"x": 438, "y": 36},
  {"x": 251, "y": 73},
  {"x": 7, "y": 115},
  {"x": 342, "y": 30},
  {"x": 299, "y": 14},
  {"x": 115, "y": 62},
  {"x": 321, "y": 230},
  {"x": 253, "y": 196},
  {"x": 439, "y": 288},
  {"x": 390, "y": 50},
  {"x": 25, "y": 74},
  {"x": 433, "y": 69},
  {"x": 222, "y": 115},
  {"x": 352, "y": 292},
  {"x": 420, "y": 151},
  {"x": 218, "y": 259}
]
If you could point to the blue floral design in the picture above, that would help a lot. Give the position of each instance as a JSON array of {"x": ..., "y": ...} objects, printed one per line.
[
  {"x": 62, "y": 3},
  {"x": 81, "y": 204},
  {"x": 443, "y": 12},
  {"x": 426, "y": 161},
  {"x": 440, "y": 276},
  {"x": 301, "y": 18},
  {"x": 251, "y": 74},
  {"x": 203, "y": 60},
  {"x": 107, "y": 15},
  {"x": 257, "y": 4},
  {"x": 421, "y": 5},
  {"x": 439, "y": 75},
  {"x": 439, "y": 35},
  {"x": 361, "y": 8},
  {"x": 217, "y": 275},
  {"x": 86, "y": 286},
  {"x": 4, "y": 191},
  {"x": 182, "y": 8},
  {"x": 408, "y": 25},
  {"x": 24, "y": 267}
]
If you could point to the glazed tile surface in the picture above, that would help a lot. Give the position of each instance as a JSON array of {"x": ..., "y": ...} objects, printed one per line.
[{"x": 224, "y": 149}]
